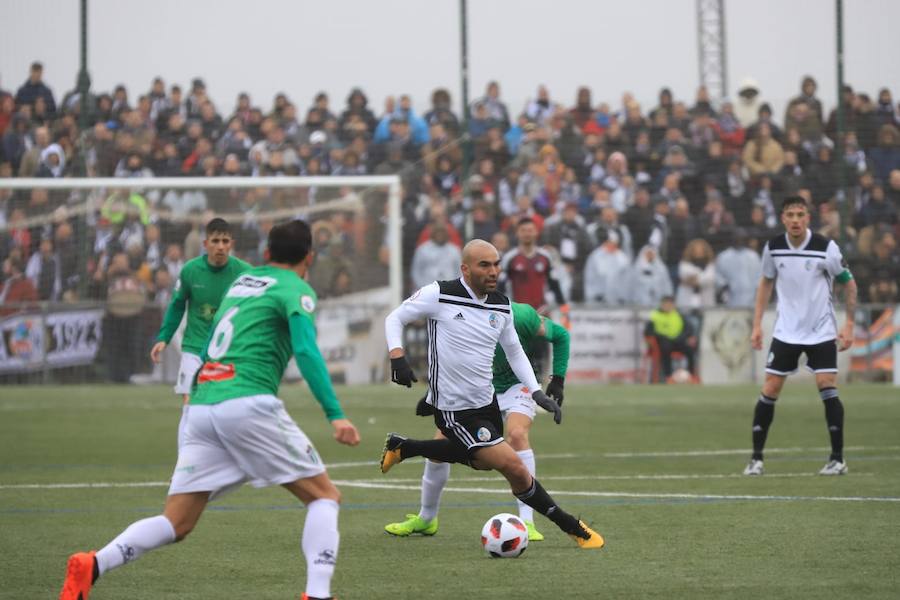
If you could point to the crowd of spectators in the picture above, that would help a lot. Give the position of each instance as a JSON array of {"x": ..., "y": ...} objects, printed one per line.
[{"x": 635, "y": 203}]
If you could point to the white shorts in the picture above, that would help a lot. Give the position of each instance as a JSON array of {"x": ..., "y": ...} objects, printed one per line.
[
  {"x": 517, "y": 399},
  {"x": 190, "y": 364},
  {"x": 251, "y": 439}
]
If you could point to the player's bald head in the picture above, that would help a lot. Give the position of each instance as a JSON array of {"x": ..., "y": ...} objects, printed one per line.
[
  {"x": 477, "y": 251},
  {"x": 480, "y": 266}
]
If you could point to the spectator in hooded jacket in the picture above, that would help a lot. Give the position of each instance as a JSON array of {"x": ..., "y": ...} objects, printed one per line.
[
  {"x": 737, "y": 272},
  {"x": 648, "y": 280},
  {"x": 746, "y": 107},
  {"x": 53, "y": 162},
  {"x": 605, "y": 270}
]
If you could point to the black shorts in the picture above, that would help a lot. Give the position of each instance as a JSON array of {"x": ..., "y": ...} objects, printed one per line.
[
  {"x": 783, "y": 358},
  {"x": 473, "y": 428}
]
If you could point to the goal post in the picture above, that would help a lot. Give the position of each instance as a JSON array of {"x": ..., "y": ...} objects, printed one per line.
[{"x": 73, "y": 236}]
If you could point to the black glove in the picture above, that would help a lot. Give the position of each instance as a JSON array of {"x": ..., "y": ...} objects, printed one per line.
[
  {"x": 547, "y": 404},
  {"x": 423, "y": 409},
  {"x": 555, "y": 388},
  {"x": 401, "y": 373}
]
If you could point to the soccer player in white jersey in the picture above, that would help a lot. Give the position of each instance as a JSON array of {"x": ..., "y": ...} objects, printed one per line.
[
  {"x": 466, "y": 319},
  {"x": 802, "y": 267}
]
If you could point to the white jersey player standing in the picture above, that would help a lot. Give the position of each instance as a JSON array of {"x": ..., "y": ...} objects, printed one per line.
[{"x": 802, "y": 266}]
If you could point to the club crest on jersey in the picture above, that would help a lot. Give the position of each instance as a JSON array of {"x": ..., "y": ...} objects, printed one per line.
[
  {"x": 494, "y": 320},
  {"x": 808, "y": 265},
  {"x": 307, "y": 303},
  {"x": 483, "y": 434}
]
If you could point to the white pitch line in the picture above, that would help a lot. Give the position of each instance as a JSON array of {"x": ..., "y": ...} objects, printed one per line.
[
  {"x": 676, "y": 453},
  {"x": 82, "y": 486},
  {"x": 660, "y": 477},
  {"x": 387, "y": 486},
  {"x": 147, "y": 484},
  {"x": 738, "y": 451}
]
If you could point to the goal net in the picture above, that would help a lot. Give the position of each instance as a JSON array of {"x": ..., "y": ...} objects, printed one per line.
[{"x": 101, "y": 256}]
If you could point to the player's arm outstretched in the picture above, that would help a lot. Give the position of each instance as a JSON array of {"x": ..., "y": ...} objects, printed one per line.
[
  {"x": 558, "y": 337},
  {"x": 171, "y": 320},
  {"x": 312, "y": 366}
]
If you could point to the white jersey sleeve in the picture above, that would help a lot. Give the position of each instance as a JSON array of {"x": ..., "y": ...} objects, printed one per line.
[
  {"x": 515, "y": 355},
  {"x": 834, "y": 261},
  {"x": 421, "y": 305},
  {"x": 768, "y": 264}
]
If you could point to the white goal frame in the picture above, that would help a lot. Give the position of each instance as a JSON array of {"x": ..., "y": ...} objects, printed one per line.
[{"x": 392, "y": 182}]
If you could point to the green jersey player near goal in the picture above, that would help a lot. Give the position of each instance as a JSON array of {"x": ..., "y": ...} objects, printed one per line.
[
  {"x": 518, "y": 411},
  {"x": 236, "y": 430},
  {"x": 198, "y": 290}
]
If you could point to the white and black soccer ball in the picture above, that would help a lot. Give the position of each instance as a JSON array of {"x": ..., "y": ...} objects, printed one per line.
[{"x": 504, "y": 536}]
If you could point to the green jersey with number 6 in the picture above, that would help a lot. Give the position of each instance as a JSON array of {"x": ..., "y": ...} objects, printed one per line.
[
  {"x": 199, "y": 289},
  {"x": 251, "y": 342}
]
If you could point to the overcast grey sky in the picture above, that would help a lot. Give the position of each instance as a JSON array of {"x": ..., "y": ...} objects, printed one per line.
[{"x": 412, "y": 46}]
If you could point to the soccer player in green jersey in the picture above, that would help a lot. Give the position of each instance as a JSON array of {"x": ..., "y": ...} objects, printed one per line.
[
  {"x": 237, "y": 430},
  {"x": 199, "y": 290},
  {"x": 518, "y": 411}
]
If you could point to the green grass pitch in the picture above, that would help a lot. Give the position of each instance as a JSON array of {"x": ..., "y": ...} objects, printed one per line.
[{"x": 654, "y": 469}]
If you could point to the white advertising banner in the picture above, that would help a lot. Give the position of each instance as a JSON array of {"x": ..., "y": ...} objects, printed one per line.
[
  {"x": 350, "y": 335},
  {"x": 725, "y": 352},
  {"x": 59, "y": 339},
  {"x": 726, "y": 355},
  {"x": 607, "y": 345}
]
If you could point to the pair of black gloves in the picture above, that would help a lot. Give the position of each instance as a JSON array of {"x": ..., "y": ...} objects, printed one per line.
[{"x": 551, "y": 401}]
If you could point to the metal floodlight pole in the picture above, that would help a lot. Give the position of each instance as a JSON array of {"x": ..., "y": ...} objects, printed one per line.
[
  {"x": 464, "y": 84},
  {"x": 842, "y": 199},
  {"x": 84, "y": 115},
  {"x": 84, "y": 80},
  {"x": 712, "y": 59}
]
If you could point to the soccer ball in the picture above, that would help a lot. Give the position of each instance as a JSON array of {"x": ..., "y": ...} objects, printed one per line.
[
  {"x": 504, "y": 536},
  {"x": 681, "y": 376}
]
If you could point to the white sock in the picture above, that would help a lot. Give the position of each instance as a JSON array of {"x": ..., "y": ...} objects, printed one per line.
[
  {"x": 320, "y": 546},
  {"x": 140, "y": 537},
  {"x": 433, "y": 481},
  {"x": 526, "y": 513}
]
